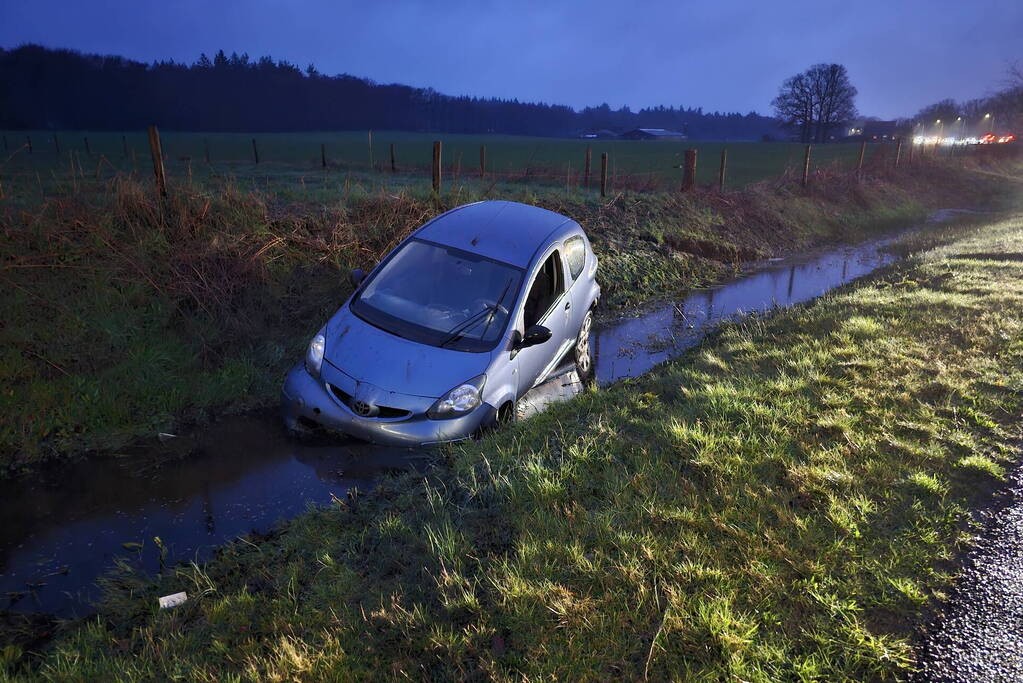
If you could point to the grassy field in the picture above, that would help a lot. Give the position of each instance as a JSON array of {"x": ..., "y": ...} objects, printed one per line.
[
  {"x": 780, "y": 504},
  {"x": 125, "y": 315},
  {"x": 634, "y": 164}
]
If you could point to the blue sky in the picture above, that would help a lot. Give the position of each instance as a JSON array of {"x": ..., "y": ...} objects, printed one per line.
[{"x": 721, "y": 55}]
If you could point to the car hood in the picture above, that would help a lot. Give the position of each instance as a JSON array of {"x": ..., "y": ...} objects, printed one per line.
[{"x": 368, "y": 354}]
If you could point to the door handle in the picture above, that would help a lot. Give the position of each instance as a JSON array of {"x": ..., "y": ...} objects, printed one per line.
[{"x": 568, "y": 305}]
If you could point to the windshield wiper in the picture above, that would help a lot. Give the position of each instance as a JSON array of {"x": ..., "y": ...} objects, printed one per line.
[
  {"x": 458, "y": 331},
  {"x": 497, "y": 304}
]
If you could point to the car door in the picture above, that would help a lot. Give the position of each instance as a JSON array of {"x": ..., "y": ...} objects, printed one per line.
[
  {"x": 574, "y": 250},
  {"x": 544, "y": 305}
]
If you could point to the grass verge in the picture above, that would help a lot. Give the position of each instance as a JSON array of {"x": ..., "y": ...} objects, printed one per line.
[
  {"x": 781, "y": 503},
  {"x": 125, "y": 314}
]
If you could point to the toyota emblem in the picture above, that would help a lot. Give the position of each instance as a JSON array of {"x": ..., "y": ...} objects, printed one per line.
[{"x": 362, "y": 408}]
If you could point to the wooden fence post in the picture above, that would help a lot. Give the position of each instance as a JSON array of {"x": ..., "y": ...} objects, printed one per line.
[
  {"x": 436, "y": 166},
  {"x": 898, "y": 152},
  {"x": 586, "y": 167},
  {"x": 603, "y": 174},
  {"x": 909, "y": 157},
  {"x": 721, "y": 171},
  {"x": 394, "y": 163},
  {"x": 323, "y": 155},
  {"x": 56, "y": 144},
  {"x": 124, "y": 146},
  {"x": 370, "y": 140},
  {"x": 255, "y": 150},
  {"x": 28, "y": 139},
  {"x": 483, "y": 161},
  {"x": 157, "y": 153},
  {"x": 689, "y": 171},
  {"x": 859, "y": 163},
  {"x": 806, "y": 166},
  {"x": 88, "y": 150}
]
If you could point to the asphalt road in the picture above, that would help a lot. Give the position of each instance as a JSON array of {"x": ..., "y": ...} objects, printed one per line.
[{"x": 978, "y": 633}]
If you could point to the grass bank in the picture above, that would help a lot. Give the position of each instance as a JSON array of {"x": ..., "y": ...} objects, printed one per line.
[
  {"x": 781, "y": 503},
  {"x": 125, "y": 314}
]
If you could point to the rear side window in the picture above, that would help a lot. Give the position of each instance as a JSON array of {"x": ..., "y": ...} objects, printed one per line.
[{"x": 575, "y": 255}]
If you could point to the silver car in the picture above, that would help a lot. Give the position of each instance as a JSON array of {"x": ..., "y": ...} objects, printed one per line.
[{"x": 444, "y": 335}]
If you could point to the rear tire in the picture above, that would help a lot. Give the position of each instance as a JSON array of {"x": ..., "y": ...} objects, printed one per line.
[{"x": 583, "y": 357}]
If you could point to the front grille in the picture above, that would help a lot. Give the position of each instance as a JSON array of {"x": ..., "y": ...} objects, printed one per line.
[{"x": 384, "y": 412}]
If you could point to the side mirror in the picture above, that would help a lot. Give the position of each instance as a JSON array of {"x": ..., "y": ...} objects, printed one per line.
[
  {"x": 356, "y": 277},
  {"x": 537, "y": 334}
]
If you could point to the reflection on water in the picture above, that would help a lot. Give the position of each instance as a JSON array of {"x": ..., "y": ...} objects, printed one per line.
[
  {"x": 63, "y": 528},
  {"x": 631, "y": 347}
]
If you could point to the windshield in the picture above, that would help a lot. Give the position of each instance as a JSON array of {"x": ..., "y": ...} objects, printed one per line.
[{"x": 441, "y": 296}]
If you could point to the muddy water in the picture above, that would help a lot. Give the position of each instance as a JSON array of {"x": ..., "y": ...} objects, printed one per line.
[{"x": 63, "y": 528}]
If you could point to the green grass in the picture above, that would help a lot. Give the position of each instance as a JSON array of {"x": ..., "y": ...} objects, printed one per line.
[
  {"x": 779, "y": 504},
  {"x": 508, "y": 157},
  {"x": 126, "y": 315}
]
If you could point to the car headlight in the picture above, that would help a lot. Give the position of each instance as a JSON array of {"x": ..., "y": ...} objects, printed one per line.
[
  {"x": 314, "y": 354},
  {"x": 461, "y": 400}
]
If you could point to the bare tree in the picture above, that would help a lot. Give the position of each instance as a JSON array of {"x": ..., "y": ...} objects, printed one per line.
[
  {"x": 834, "y": 97},
  {"x": 945, "y": 111},
  {"x": 1001, "y": 111},
  {"x": 1014, "y": 75},
  {"x": 795, "y": 105},
  {"x": 816, "y": 100}
]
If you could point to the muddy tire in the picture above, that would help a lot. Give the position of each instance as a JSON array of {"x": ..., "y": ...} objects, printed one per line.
[{"x": 583, "y": 356}]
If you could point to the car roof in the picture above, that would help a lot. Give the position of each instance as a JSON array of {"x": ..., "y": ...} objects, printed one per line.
[{"x": 505, "y": 231}]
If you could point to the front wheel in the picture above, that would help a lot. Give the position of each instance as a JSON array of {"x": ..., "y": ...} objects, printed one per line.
[
  {"x": 583, "y": 358},
  {"x": 506, "y": 413}
]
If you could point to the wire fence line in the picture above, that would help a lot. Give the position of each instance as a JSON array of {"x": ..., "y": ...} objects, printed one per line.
[{"x": 676, "y": 166}]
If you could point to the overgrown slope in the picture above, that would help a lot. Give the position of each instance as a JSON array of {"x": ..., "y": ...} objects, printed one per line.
[
  {"x": 779, "y": 504},
  {"x": 124, "y": 314}
]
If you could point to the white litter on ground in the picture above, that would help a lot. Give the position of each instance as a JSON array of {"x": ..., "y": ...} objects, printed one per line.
[{"x": 168, "y": 601}]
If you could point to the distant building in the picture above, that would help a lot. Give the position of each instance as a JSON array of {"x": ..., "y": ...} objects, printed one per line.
[
  {"x": 602, "y": 134},
  {"x": 653, "y": 134},
  {"x": 872, "y": 131}
]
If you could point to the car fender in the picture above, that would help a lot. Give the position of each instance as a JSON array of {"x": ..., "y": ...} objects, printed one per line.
[{"x": 502, "y": 381}]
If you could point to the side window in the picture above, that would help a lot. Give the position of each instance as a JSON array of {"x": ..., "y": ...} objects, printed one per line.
[
  {"x": 575, "y": 255},
  {"x": 547, "y": 286}
]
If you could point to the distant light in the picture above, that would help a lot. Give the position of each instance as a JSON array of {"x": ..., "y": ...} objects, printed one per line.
[
  {"x": 987, "y": 116},
  {"x": 938, "y": 121}
]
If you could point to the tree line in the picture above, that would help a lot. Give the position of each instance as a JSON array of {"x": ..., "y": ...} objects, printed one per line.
[
  {"x": 64, "y": 89},
  {"x": 1000, "y": 112}
]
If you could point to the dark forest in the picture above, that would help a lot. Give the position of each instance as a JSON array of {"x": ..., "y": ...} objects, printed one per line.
[{"x": 42, "y": 88}]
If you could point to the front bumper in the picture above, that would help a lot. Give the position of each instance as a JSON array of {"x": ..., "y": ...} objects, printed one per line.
[{"x": 304, "y": 399}]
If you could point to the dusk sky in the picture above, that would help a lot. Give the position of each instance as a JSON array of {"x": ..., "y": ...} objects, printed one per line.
[{"x": 721, "y": 55}]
